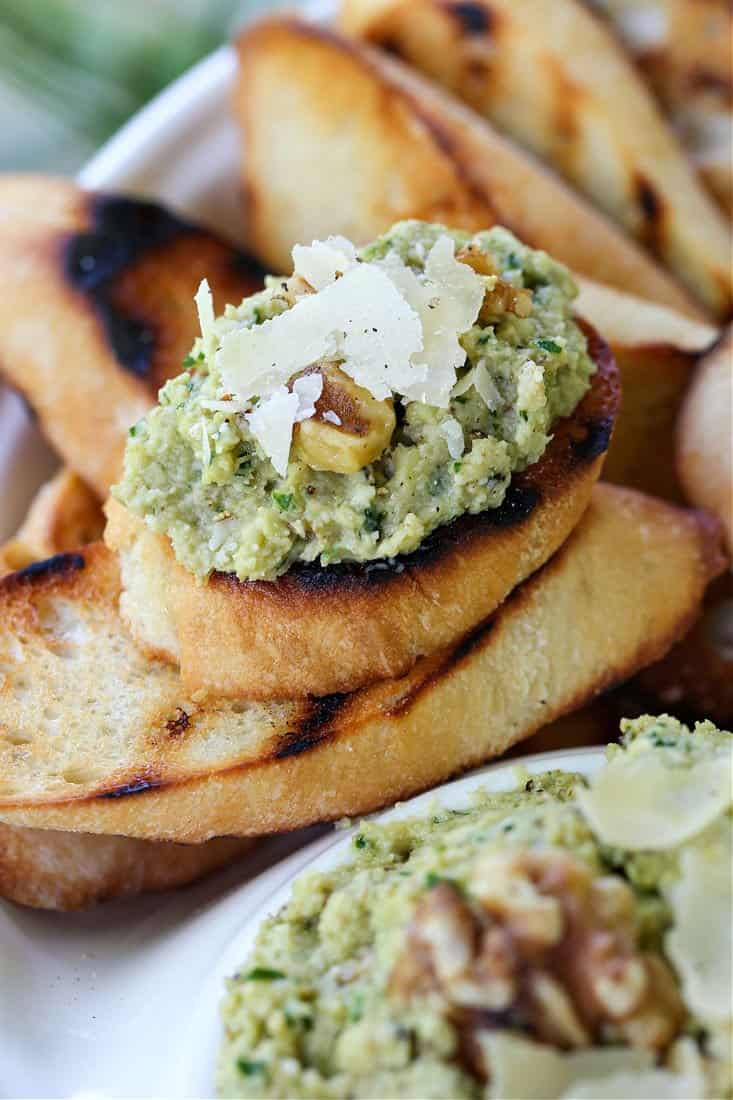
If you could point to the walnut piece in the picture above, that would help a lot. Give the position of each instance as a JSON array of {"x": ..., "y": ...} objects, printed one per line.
[{"x": 541, "y": 945}]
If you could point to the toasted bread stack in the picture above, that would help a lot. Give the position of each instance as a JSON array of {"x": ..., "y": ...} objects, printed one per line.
[{"x": 145, "y": 716}]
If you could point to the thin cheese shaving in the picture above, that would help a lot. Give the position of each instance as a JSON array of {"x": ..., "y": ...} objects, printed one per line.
[
  {"x": 360, "y": 320},
  {"x": 452, "y": 432},
  {"x": 323, "y": 262},
  {"x": 642, "y": 803},
  {"x": 205, "y": 307},
  {"x": 521, "y": 1068},
  {"x": 699, "y": 943},
  {"x": 272, "y": 425}
]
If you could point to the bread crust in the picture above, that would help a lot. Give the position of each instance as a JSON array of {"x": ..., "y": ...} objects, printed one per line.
[
  {"x": 47, "y": 869},
  {"x": 316, "y": 630},
  {"x": 554, "y": 78},
  {"x": 64, "y": 513},
  {"x": 97, "y": 309},
  {"x": 626, "y": 585},
  {"x": 370, "y": 142},
  {"x": 705, "y": 436},
  {"x": 656, "y": 351}
]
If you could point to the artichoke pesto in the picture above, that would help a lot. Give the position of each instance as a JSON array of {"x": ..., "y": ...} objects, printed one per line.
[
  {"x": 344, "y": 413},
  {"x": 510, "y": 946}
]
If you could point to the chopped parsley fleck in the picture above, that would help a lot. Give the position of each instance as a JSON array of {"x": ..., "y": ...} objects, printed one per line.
[
  {"x": 457, "y": 466},
  {"x": 283, "y": 500},
  {"x": 250, "y": 1069},
  {"x": 264, "y": 974},
  {"x": 189, "y": 361},
  {"x": 549, "y": 345},
  {"x": 372, "y": 519},
  {"x": 136, "y": 428},
  {"x": 361, "y": 841}
]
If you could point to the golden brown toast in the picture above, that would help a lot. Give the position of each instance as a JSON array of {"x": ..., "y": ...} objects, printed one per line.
[
  {"x": 97, "y": 309},
  {"x": 96, "y": 738},
  {"x": 340, "y": 138},
  {"x": 47, "y": 869},
  {"x": 319, "y": 630},
  {"x": 556, "y": 80},
  {"x": 65, "y": 513},
  {"x": 705, "y": 436},
  {"x": 685, "y": 50},
  {"x": 656, "y": 351}
]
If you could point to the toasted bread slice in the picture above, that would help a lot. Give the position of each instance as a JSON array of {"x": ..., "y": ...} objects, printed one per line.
[
  {"x": 342, "y": 139},
  {"x": 64, "y": 514},
  {"x": 97, "y": 738},
  {"x": 555, "y": 79},
  {"x": 47, "y": 869},
  {"x": 656, "y": 351},
  {"x": 319, "y": 630},
  {"x": 97, "y": 309},
  {"x": 705, "y": 436},
  {"x": 685, "y": 50}
]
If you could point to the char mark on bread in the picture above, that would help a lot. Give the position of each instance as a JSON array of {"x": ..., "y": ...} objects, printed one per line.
[
  {"x": 472, "y": 18},
  {"x": 122, "y": 233},
  {"x": 60, "y": 566}
]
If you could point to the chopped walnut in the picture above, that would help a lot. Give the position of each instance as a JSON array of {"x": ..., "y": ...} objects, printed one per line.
[
  {"x": 542, "y": 946},
  {"x": 505, "y": 298},
  {"x": 476, "y": 259}
]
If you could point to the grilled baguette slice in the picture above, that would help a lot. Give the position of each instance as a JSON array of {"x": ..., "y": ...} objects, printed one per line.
[
  {"x": 685, "y": 50},
  {"x": 64, "y": 514},
  {"x": 47, "y": 869},
  {"x": 705, "y": 436},
  {"x": 656, "y": 351},
  {"x": 320, "y": 630},
  {"x": 553, "y": 77},
  {"x": 370, "y": 142},
  {"x": 97, "y": 738},
  {"x": 97, "y": 309}
]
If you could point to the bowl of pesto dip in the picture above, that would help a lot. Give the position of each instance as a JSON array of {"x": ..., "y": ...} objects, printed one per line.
[{"x": 559, "y": 930}]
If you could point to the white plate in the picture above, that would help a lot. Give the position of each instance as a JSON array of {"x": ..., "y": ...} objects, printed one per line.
[{"x": 123, "y": 1001}]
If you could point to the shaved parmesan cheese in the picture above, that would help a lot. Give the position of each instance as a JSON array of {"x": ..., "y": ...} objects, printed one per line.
[
  {"x": 324, "y": 261},
  {"x": 205, "y": 307},
  {"x": 360, "y": 321},
  {"x": 452, "y": 431},
  {"x": 447, "y": 300},
  {"x": 639, "y": 802},
  {"x": 480, "y": 379},
  {"x": 654, "y": 1084},
  {"x": 272, "y": 423},
  {"x": 699, "y": 943},
  {"x": 521, "y": 1069},
  {"x": 307, "y": 389},
  {"x": 205, "y": 445},
  {"x": 332, "y": 418}
]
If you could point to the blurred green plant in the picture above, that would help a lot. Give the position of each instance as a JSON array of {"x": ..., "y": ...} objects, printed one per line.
[{"x": 72, "y": 71}]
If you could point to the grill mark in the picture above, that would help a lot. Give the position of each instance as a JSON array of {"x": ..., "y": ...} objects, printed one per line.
[
  {"x": 135, "y": 786},
  {"x": 314, "y": 727},
  {"x": 122, "y": 233},
  {"x": 59, "y": 565},
  {"x": 594, "y": 441},
  {"x": 472, "y": 18}
]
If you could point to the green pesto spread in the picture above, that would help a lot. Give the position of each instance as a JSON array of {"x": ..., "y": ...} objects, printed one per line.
[
  {"x": 196, "y": 473},
  {"x": 316, "y": 1010}
]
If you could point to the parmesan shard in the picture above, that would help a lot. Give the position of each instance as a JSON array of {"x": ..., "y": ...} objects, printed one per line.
[
  {"x": 272, "y": 424},
  {"x": 699, "y": 943},
  {"x": 322, "y": 262},
  {"x": 452, "y": 432},
  {"x": 639, "y": 802},
  {"x": 205, "y": 308},
  {"x": 360, "y": 321},
  {"x": 447, "y": 300}
]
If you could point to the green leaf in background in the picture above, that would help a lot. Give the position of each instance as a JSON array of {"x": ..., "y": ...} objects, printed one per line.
[{"x": 72, "y": 71}]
